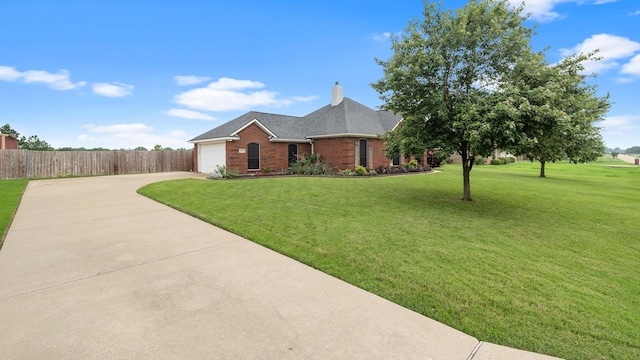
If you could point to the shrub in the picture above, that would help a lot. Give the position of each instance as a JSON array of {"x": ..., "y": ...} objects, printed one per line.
[
  {"x": 346, "y": 172},
  {"x": 413, "y": 164},
  {"x": 511, "y": 159},
  {"x": 266, "y": 170},
  {"x": 221, "y": 172},
  {"x": 310, "y": 164},
  {"x": 479, "y": 160},
  {"x": 496, "y": 162},
  {"x": 361, "y": 170},
  {"x": 380, "y": 170},
  {"x": 503, "y": 160}
]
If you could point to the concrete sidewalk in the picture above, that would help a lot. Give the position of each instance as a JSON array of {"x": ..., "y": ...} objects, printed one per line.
[{"x": 92, "y": 270}]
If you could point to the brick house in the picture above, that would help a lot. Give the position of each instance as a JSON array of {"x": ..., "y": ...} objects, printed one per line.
[
  {"x": 344, "y": 133},
  {"x": 8, "y": 142}
]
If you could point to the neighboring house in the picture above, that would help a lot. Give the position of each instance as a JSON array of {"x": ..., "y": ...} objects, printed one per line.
[
  {"x": 8, "y": 142},
  {"x": 344, "y": 133}
]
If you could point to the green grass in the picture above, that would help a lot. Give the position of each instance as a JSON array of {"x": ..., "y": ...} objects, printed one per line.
[
  {"x": 607, "y": 159},
  {"x": 11, "y": 191},
  {"x": 548, "y": 265}
]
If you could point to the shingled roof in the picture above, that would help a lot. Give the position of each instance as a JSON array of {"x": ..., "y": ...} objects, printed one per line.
[
  {"x": 282, "y": 126},
  {"x": 347, "y": 118}
]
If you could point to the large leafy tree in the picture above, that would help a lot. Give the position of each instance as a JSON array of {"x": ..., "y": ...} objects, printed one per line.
[
  {"x": 28, "y": 143},
  {"x": 442, "y": 76},
  {"x": 555, "y": 110}
]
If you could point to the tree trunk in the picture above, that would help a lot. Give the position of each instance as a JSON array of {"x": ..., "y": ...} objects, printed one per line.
[
  {"x": 542, "y": 162},
  {"x": 467, "y": 164}
]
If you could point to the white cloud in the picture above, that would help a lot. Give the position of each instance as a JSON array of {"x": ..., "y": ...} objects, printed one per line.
[
  {"x": 632, "y": 67},
  {"x": 189, "y": 114},
  {"x": 228, "y": 94},
  {"x": 115, "y": 89},
  {"x": 542, "y": 10},
  {"x": 624, "y": 80},
  {"x": 622, "y": 123},
  {"x": 9, "y": 74},
  {"x": 611, "y": 48},
  {"x": 130, "y": 136},
  {"x": 382, "y": 37},
  {"x": 233, "y": 84},
  {"x": 183, "y": 80},
  {"x": 635, "y": 13},
  {"x": 58, "y": 81}
]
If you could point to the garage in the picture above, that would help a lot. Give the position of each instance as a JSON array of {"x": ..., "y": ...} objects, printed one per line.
[{"x": 210, "y": 155}]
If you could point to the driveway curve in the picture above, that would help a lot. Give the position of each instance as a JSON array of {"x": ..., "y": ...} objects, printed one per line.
[{"x": 92, "y": 270}]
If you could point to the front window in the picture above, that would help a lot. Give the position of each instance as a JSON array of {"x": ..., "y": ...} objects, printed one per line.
[
  {"x": 253, "y": 156},
  {"x": 293, "y": 153},
  {"x": 363, "y": 152}
]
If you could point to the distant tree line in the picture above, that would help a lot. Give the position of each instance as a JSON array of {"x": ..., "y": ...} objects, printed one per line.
[
  {"x": 635, "y": 150},
  {"x": 33, "y": 142}
]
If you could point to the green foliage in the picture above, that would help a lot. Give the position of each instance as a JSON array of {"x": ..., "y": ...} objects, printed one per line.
[
  {"x": 503, "y": 160},
  {"x": 141, "y": 148},
  {"x": 504, "y": 269},
  {"x": 615, "y": 154},
  {"x": 310, "y": 164},
  {"x": 553, "y": 110},
  {"x": 221, "y": 172},
  {"x": 266, "y": 170},
  {"x": 496, "y": 162},
  {"x": 346, "y": 172},
  {"x": 479, "y": 160},
  {"x": 441, "y": 77},
  {"x": 633, "y": 150},
  {"x": 7, "y": 130},
  {"x": 413, "y": 164},
  {"x": 511, "y": 159},
  {"x": 157, "y": 147},
  {"x": 32, "y": 142},
  {"x": 360, "y": 170}
]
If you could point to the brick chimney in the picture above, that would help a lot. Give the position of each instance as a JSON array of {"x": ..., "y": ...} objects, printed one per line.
[{"x": 336, "y": 94}]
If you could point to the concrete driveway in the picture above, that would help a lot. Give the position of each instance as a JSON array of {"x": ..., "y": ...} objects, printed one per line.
[{"x": 92, "y": 270}]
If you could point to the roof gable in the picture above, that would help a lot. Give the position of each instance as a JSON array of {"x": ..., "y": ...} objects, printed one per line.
[{"x": 258, "y": 123}]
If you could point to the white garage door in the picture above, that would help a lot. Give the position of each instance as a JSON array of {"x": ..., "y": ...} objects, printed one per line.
[{"x": 211, "y": 155}]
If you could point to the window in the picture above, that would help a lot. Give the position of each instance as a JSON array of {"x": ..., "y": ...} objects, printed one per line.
[
  {"x": 293, "y": 153},
  {"x": 363, "y": 152},
  {"x": 396, "y": 160},
  {"x": 253, "y": 151}
]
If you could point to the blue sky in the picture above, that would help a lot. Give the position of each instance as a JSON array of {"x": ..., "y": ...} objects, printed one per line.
[{"x": 121, "y": 74}]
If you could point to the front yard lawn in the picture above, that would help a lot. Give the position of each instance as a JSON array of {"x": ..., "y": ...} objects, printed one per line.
[
  {"x": 11, "y": 192},
  {"x": 548, "y": 265}
]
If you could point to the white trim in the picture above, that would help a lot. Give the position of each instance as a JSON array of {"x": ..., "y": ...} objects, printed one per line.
[
  {"x": 213, "y": 140},
  {"x": 297, "y": 141},
  {"x": 257, "y": 122}
]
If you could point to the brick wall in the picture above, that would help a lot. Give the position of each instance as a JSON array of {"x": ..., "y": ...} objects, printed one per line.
[
  {"x": 344, "y": 153},
  {"x": 274, "y": 155},
  {"x": 8, "y": 143}
]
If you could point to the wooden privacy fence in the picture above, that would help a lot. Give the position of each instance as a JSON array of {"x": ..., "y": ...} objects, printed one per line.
[{"x": 16, "y": 164}]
